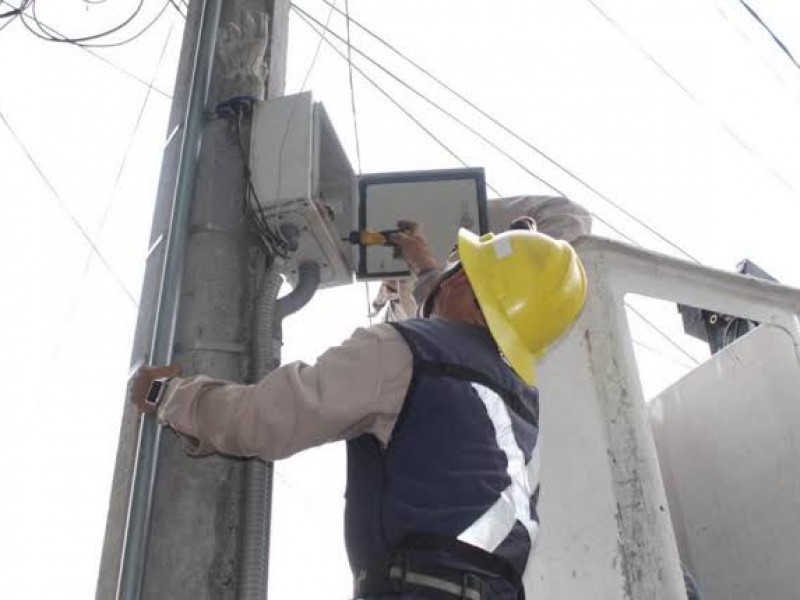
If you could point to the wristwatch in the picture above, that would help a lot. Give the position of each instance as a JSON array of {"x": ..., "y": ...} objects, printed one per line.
[{"x": 155, "y": 394}]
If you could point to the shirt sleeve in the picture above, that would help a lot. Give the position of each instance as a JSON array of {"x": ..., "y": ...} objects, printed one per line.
[
  {"x": 355, "y": 388},
  {"x": 558, "y": 217}
]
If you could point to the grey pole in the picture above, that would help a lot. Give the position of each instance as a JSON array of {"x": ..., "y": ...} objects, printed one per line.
[
  {"x": 132, "y": 564},
  {"x": 193, "y": 509}
]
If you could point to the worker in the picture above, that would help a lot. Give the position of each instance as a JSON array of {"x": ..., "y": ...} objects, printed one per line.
[
  {"x": 556, "y": 216},
  {"x": 440, "y": 415}
]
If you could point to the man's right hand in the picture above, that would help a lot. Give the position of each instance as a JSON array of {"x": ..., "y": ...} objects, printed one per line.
[
  {"x": 141, "y": 380},
  {"x": 414, "y": 247}
]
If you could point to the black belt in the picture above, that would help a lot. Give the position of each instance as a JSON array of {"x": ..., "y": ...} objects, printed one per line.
[{"x": 399, "y": 572}]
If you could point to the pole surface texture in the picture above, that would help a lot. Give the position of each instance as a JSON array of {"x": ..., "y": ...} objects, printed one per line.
[{"x": 193, "y": 513}]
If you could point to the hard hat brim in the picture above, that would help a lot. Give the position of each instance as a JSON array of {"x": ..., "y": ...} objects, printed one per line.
[{"x": 521, "y": 359}]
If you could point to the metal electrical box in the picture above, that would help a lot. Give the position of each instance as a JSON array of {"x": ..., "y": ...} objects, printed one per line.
[
  {"x": 308, "y": 192},
  {"x": 304, "y": 183}
]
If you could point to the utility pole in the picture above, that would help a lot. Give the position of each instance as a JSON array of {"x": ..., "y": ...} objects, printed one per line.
[{"x": 176, "y": 532}]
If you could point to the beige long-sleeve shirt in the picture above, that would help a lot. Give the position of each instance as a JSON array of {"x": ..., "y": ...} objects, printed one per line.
[
  {"x": 558, "y": 217},
  {"x": 356, "y": 388}
]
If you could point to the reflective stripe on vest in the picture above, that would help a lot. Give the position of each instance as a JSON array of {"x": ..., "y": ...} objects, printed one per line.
[{"x": 514, "y": 503}]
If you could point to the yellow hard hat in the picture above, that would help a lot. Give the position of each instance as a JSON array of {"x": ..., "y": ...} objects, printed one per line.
[{"x": 530, "y": 287}]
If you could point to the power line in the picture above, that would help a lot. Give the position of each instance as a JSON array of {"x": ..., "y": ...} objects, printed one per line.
[
  {"x": 387, "y": 95},
  {"x": 660, "y": 332},
  {"x": 720, "y": 122},
  {"x": 316, "y": 52},
  {"x": 137, "y": 123},
  {"x": 73, "y": 219},
  {"x": 774, "y": 37},
  {"x": 661, "y": 354},
  {"x": 177, "y": 7},
  {"x": 78, "y": 40},
  {"x": 308, "y": 20},
  {"x": 460, "y": 122},
  {"x": 150, "y": 85},
  {"x": 99, "y": 57},
  {"x": 527, "y": 143},
  {"x": 352, "y": 88},
  {"x": 48, "y": 34},
  {"x": 131, "y": 138}
]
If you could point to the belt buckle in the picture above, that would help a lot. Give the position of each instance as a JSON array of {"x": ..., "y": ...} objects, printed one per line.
[
  {"x": 397, "y": 572},
  {"x": 471, "y": 582}
]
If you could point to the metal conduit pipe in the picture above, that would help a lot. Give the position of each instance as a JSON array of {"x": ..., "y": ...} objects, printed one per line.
[
  {"x": 140, "y": 503},
  {"x": 256, "y": 501},
  {"x": 257, "y": 494},
  {"x": 307, "y": 284}
]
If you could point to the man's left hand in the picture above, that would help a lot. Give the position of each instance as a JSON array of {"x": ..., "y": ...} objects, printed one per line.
[{"x": 141, "y": 380}]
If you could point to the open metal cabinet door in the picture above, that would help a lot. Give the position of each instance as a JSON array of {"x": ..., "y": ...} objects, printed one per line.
[{"x": 440, "y": 201}]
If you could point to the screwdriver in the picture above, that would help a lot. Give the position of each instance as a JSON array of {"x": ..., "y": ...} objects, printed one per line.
[{"x": 368, "y": 237}]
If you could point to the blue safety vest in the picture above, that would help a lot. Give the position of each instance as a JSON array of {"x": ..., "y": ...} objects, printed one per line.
[{"x": 462, "y": 463}]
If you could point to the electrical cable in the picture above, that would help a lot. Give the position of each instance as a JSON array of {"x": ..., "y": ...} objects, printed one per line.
[
  {"x": 662, "y": 355},
  {"x": 101, "y": 58},
  {"x": 388, "y": 96},
  {"x": 774, "y": 37},
  {"x": 391, "y": 99},
  {"x": 14, "y": 13},
  {"x": 271, "y": 241},
  {"x": 660, "y": 332},
  {"x": 316, "y": 54},
  {"x": 308, "y": 20},
  {"x": 49, "y": 34},
  {"x": 73, "y": 219},
  {"x": 86, "y": 38},
  {"x": 352, "y": 88},
  {"x": 341, "y": 54},
  {"x": 720, "y": 122},
  {"x": 177, "y": 7},
  {"x": 133, "y": 76},
  {"x": 460, "y": 122},
  {"x": 137, "y": 123},
  {"x": 87, "y": 263},
  {"x": 530, "y": 145}
]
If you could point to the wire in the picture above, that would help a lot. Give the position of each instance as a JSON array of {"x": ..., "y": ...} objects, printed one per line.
[
  {"x": 150, "y": 85},
  {"x": 527, "y": 143},
  {"x": 389, "y": 97},
  {"x": 463, "y": 124},
  {"x": 86, "y": 38},
  {"x": 177, "y": 7},
  {"x": 63, "y": 205},
  {"x": 660, "y": 332},
  {"x": 302, "y": 14},
  {"x": 774, "y": 37},
  {"x": 308, "y": 20},
  {"x": 352, "y": 88},
  {"x": 316, "y": 52},
  {"x": 14, "y": 13},
  {"x": 661, "y": 354},
  {"x": 49, "y": 34},
  {"x": 271, "y": 241},
  {"x": 101, "y": 58},
  {"x": 720, "y": 122},
  {"x": 136, "y": 125}
]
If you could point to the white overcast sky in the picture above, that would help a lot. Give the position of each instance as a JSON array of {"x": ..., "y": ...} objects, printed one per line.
[{"x": 685, "y": 113}]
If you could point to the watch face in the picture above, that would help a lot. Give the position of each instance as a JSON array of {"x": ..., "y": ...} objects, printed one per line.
[{"x": 154, "y": 393}]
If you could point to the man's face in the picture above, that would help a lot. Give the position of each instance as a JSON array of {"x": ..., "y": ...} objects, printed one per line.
[{"x": 456, "y": 301}]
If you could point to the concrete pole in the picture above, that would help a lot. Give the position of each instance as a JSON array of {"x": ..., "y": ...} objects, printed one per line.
[{"x": 195, "y": 515}]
